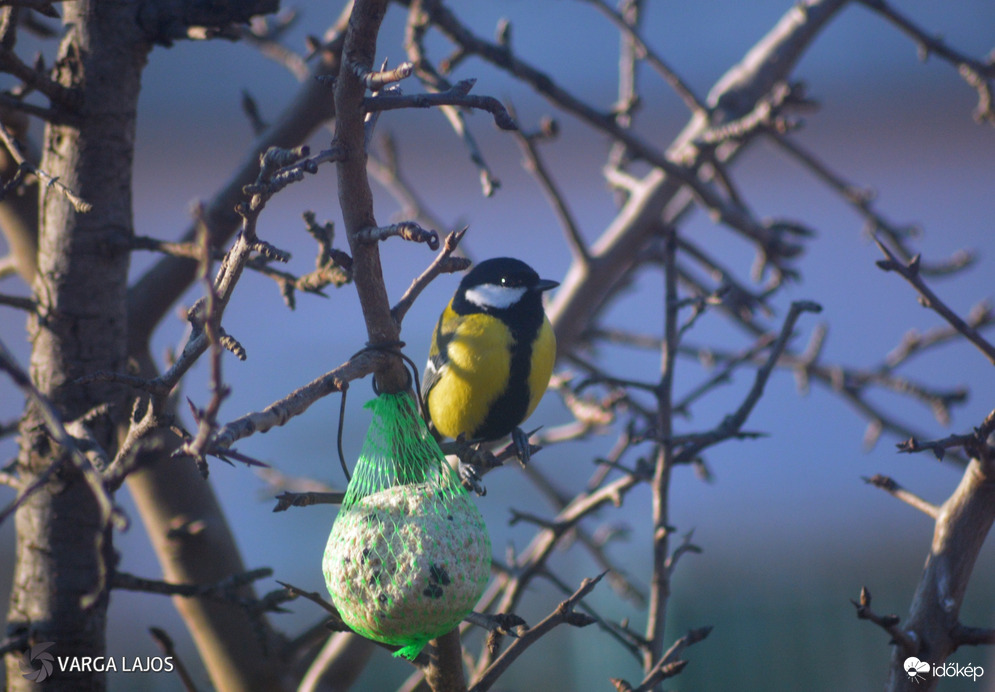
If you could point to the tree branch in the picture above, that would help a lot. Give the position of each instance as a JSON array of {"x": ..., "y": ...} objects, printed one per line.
[
  {"x": 889, "y": 623},
  {"x": 355, "y": 197},
  {"x": 895, "y": 490},
  {"x": 564, "y": 614},
  {"x": 458, "y": 95},
  {"x": 298, "y": 401},
  {"x": 910, "y": 272},
  {"x": 977, "y": 74}
]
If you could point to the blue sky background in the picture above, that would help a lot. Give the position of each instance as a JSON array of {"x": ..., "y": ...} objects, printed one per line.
[{"x": 789, "y": 530}]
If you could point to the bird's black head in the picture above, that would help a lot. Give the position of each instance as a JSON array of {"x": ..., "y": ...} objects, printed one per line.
[{"x": 499, "y": 285}]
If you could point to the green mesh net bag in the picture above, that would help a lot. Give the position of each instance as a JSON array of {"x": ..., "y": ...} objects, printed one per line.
[{"x": 409, "y": 555}]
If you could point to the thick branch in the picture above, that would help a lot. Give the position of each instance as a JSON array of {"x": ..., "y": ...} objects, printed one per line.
[
  {"x": 355, "y": 197},
  {"x": 961, "y": 528}
]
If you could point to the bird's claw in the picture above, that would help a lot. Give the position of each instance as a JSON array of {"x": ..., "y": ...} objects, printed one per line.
[{"x": 471, "y": 479}]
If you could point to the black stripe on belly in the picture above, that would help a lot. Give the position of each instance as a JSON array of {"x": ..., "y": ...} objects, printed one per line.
[{"x": 509, "y": 409}]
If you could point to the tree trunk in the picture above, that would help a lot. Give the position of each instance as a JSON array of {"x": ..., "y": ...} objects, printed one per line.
[{"x": 64, "y": 544}]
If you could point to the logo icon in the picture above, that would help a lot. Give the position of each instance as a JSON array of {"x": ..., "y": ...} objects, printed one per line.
[
  {"x": 39, "y": 653},
  {"x": 914, "y": 668}
]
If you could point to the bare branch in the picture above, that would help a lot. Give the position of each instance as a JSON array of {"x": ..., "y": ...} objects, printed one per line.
[
  {"x": 417, "y": 25},
  {"x": 406, "y": 230},
  {"x": 298, "y": 401},
  {"x": 444, "y": 262},
  {"x": 643, "y": 51},
  {"x": 354, "y": 193},
  {"x": 79, "y": 204},
  {"x": 910, "y": 272},
  {"x": 889, "y": 623},
  {"x": 109, "y": 510},
  {"x": 375, "y": 81},
  {"x": 891, "y": 487},
  {"x": 458, "y": 95},
  {"x": 977, "y": 74},
  {"x": 288, "y": 499},
  {"x": 732, "y": 423},
  {"x": 548, "y": 129},
  {"x": 564, "y": 614},
  {"x": 165, "y": 643}
]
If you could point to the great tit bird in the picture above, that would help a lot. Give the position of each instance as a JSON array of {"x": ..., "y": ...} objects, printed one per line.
[{"x": 492, "y": 353}]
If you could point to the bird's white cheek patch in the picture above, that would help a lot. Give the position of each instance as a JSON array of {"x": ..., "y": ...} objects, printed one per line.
[{"x": 492, "y": 296}]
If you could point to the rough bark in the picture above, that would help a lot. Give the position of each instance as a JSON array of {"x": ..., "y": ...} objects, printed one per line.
[
  {"x": 64, "y": 545},
  {"x": 933, "y": 622}
]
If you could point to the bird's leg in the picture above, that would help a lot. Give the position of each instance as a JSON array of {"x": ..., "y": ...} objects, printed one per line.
[
  {"x": 470, "y": 478},
  {"x": 473, "y": 463}
]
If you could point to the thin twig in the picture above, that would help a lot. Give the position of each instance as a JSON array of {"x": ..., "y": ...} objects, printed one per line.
[
  {"x": 913, "y": 342},
  {"x": 377, "y": 80},
  {"x": 670, "y": 664},
  {"x": 732, "y": 423},
  {"x": 25, "y": 304},
  {"x": 895, "y": 490},
  {"x": 443, "y": 263},
  {"x": 973, "y": 636},
  {"x": 862, "y": 200},
  {"x": 415, "y": 30},
  {"x": 910, "y": 272},
  {"x": 977, "y": 74},
  {"x": 225, "y": 590},
  {"x": 281, "y": 411},
  {"x": 458, "y": 96},
  {"x": 64, "y": 99},
  {"x": 535, "y": 165},
  {"x": 680, "y": 87},
  {"x": 564, "y": 614},
  {"x": 406, "y": 230},
  {"x": 109, "y": 511},
  {"x": 165, "y": 643},
  {"x": 288, "y": 499},
  {"x": 79, "y": 204},
  {"x": 889, "y": 623}
]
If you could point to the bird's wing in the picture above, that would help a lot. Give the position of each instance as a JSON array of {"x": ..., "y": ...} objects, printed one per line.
[
  {"x": 434, "y": 368},
  {"x": 437, "y": 359}
]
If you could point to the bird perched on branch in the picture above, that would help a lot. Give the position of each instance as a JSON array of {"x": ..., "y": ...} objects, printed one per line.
[{"x": 492, "y": 354}]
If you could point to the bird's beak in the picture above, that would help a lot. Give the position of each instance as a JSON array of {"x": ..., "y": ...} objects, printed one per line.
[{"x": 546, "y": 284}]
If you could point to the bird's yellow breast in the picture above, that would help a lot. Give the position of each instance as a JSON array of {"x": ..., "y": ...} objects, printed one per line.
[
  {"x": 479, "y": 362},
  {"x": 543, "y": 358}
]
